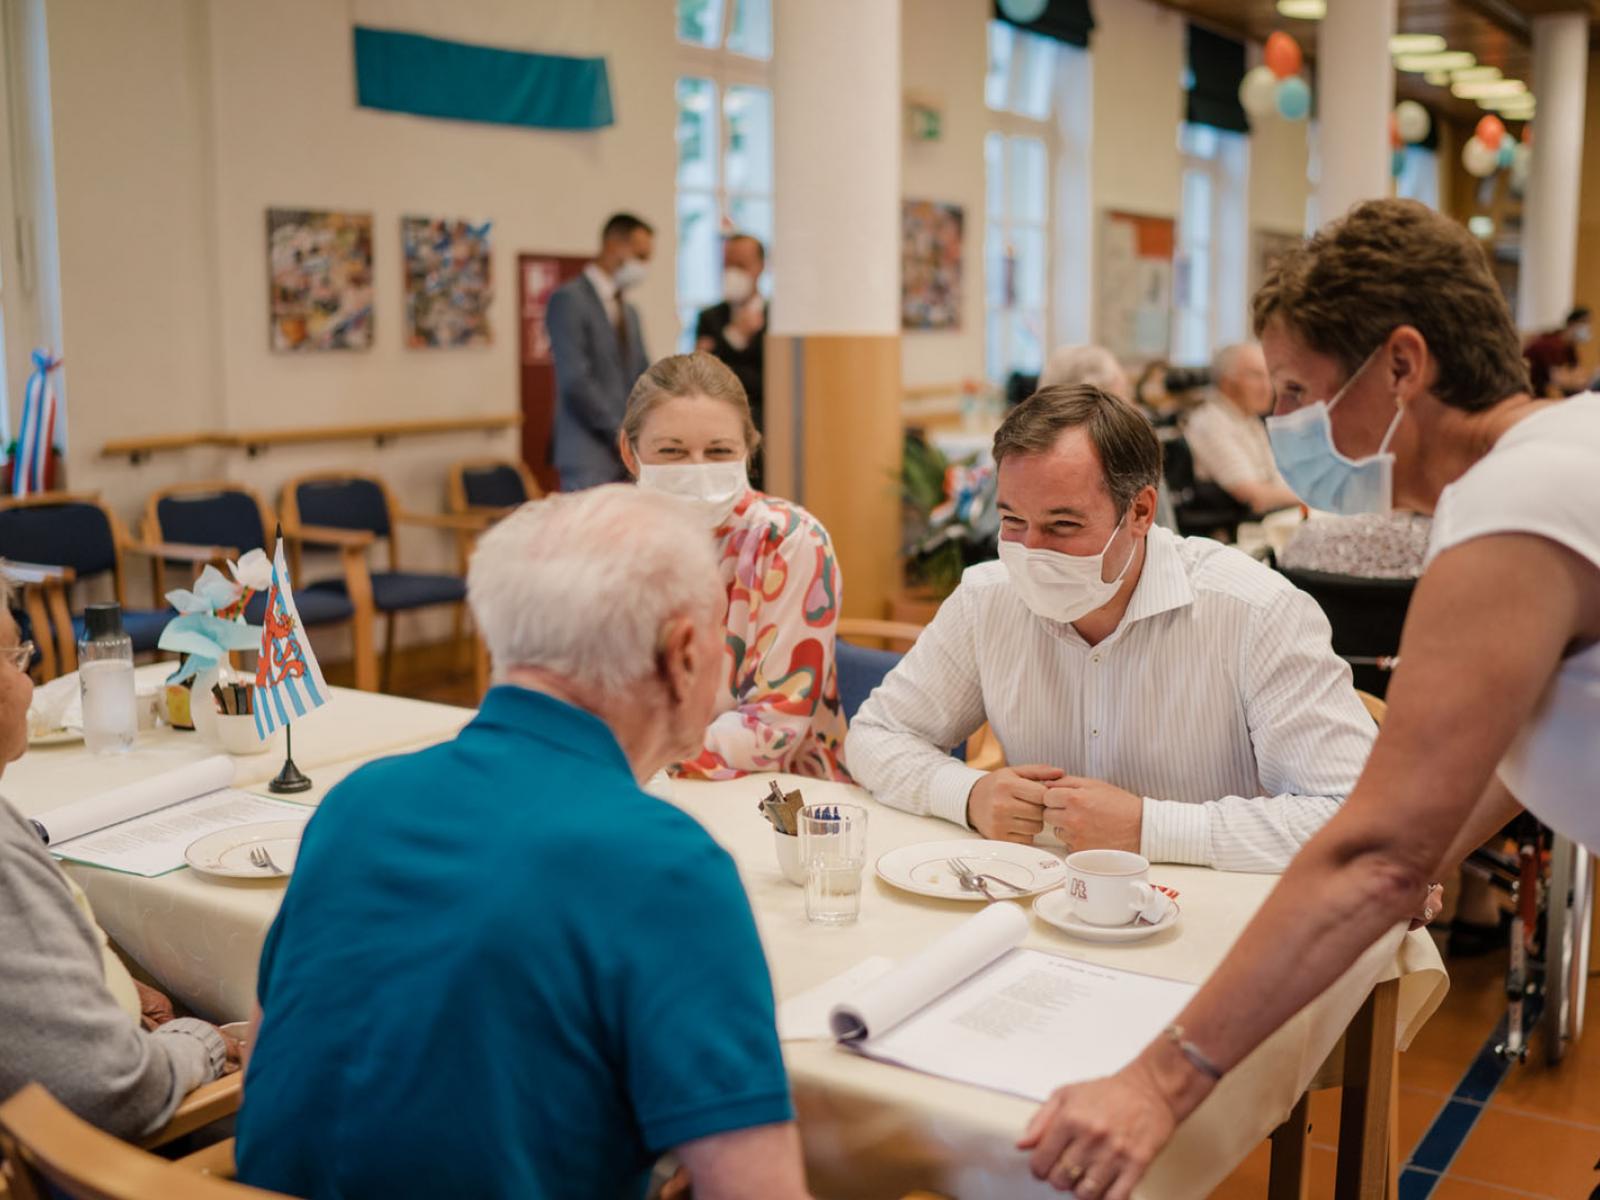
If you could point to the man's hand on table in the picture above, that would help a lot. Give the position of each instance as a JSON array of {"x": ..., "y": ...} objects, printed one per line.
[
  {"x": 1091, "y": 814},
  {"x": 1008, "y": 805}
]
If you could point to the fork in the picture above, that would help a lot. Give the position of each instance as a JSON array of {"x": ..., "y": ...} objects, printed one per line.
[
  {"x": 259, "y": 858},
  {"x": 959, "y": 866},
  {"x": 969, "y": 882}
]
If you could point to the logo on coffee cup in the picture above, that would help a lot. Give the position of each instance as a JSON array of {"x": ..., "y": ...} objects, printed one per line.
[{"x": 1079, "y": 890}]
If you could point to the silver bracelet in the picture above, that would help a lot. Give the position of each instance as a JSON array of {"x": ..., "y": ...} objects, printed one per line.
[{"x": 1189, "y": 1050}]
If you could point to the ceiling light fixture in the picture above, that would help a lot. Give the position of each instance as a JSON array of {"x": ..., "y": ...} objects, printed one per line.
[
  {"x": 1484, "y": 89},
  {"x": 1482, "y": 71},
  {"x": 1303, "y": 10},
  {"x": 1443, "y": 60},
  {"x": 1416, "y": 43},
  {"x": 1438, "y": 78}
]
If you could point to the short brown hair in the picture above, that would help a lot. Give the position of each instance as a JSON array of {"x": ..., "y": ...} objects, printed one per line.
[
  {"x": 687, "y": 375},
  {"x": 1130, "y": 454},
  {"x": 1391, "y": 263}
]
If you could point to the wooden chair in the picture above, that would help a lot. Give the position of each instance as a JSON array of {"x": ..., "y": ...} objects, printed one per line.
[
  {"x": 49, "y": 1153},
  {"x": 40, "y": 594},
  {"x": 861, "y": 668},
  {"x": 77, "y": 531},
  {"x": 237, "y": 518},
  {"x": 327, "y": 501},
  {"x": 486, "y": 489}
]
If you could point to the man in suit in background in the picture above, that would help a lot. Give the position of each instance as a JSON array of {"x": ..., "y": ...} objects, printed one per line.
[
  {"x": 599, "y": 352},
  {"x": 736, "y": 330}
]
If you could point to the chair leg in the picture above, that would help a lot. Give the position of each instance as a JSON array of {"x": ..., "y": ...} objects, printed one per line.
[
  {"x": 55, "y": 595},
  {"x": 1287, "y": 1175},
  {"x": 389, "y": 623},
  {"x": 458, "y": 641},
  {"x": 1396, "y": 1151},
  {"x": 44, "y": 636},
  {"x": 1364, "y": 1109}
]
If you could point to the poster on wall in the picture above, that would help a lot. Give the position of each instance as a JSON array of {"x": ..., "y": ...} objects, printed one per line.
[
  {"x": 1267, "y": 246},
  {"x": 447, "y": 281},
  {"x": 320, "y": 265},
  {"x": 1135, "y": 293},
  {"x": 930, "y": 265}
]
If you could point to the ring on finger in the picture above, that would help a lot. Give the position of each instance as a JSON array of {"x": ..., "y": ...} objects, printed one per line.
[{"x": 1074, "y": 1174}]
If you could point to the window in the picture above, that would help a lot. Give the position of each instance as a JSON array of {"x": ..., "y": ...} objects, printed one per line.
[
  {"x": 1208, "y": 285},
  {"x": 724, "y": 135},
  {"x": 1034, "y": 159},
  {"x": 1419, "y": 176}
]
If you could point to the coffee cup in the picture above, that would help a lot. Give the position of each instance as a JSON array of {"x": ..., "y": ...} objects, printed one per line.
[{"x": 1112, "y": 887}]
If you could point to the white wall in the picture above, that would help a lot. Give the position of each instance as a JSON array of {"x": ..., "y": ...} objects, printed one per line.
[{"x": 178, "y": 123}]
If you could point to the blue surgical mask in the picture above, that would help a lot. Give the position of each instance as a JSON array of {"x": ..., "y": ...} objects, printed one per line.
[{"x": 1302, "y": 444}]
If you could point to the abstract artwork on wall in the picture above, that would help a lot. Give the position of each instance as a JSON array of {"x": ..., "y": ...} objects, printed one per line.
[
  {"x": 930, "y": 265},
  {"x": 447, "y": 282},
  {"x": 320, "y": 264}
]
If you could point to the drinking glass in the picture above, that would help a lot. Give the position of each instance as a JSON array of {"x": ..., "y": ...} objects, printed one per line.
[{"x": 833, "y": 851}]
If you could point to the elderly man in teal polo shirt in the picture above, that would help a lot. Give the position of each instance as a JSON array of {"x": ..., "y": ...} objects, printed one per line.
[{"x": 501, "y": 968}]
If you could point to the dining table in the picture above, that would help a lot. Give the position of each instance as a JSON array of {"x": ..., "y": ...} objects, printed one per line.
[{"x": 870, "y": 1129}]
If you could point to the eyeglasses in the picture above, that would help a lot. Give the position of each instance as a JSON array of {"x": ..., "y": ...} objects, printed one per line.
[{"x": 19, "y": 656}]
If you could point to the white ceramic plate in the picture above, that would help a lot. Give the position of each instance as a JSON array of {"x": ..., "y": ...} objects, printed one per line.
[
  {"x": 921, "y": 869},
  {"x": 55, "y": 737},
  {"x": 227, "y": 852},
  {"x": 1056, "y": 909}
]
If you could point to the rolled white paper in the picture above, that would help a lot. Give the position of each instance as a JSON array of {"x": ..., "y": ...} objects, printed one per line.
[
  {"x": 929, "y": 973},
  {"x": 136, "y": 799}
]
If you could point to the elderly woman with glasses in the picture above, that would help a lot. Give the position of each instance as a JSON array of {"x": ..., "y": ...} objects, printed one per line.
[
  {"x": 1400, "y": 385},
  {"x": 71, "y": 1017}
]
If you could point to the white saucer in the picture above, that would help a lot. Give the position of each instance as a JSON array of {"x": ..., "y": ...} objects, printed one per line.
[
  {"x": 55, "y": 737},
  {"x": 226, "y": 853},
  {"x": 922, "y": 868},
  {"x": 1055, "y": 909}
]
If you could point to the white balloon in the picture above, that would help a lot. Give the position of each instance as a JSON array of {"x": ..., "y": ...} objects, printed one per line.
[
  {"x": 1258, "y": 92},
  {"x": 1412, "y": 120},
  {"x": 1479, "y": 159}
]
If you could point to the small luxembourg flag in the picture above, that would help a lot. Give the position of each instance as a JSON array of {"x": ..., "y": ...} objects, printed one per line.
[
  {"x": 30, "y": 470},
  {"x": 289, "y": 682}
]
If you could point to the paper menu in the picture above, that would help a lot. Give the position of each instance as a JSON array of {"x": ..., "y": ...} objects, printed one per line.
[
  {"x": 145, "y": 827},
  {"x": 975, "y": 1007}
]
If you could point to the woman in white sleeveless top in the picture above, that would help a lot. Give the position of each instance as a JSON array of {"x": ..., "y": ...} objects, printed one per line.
[{"x": 1400, "y": 384}]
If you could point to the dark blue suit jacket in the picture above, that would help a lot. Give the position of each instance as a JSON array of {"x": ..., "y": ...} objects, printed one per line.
[{"x": 593, "y": 379}]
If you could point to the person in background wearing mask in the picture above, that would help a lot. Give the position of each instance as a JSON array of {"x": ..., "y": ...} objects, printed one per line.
[
  {"x": 1165, "y": 695},
  {"x": 736, "y": 330},
  {"x": 688, "y": 433},
  {"x": 1553, "y": 369},
  {"x": 598, "y": 347},
  {"x": 1227, "y": 438}
]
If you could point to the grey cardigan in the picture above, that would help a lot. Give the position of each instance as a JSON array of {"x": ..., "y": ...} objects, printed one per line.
[{"x": 60, "y": 1025}]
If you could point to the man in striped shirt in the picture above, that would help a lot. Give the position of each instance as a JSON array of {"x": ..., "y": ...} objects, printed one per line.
[{"x": 1152, "y": 693}]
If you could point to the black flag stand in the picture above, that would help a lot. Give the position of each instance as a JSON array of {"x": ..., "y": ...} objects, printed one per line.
[{"x": 290, "y": 779}]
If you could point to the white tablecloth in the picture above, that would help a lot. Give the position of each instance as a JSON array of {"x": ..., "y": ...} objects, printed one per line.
[
  {"x": 870, "y": 1129},
  {"x": 876, "y": 1130},
  {"x": 200, "y": 937}
]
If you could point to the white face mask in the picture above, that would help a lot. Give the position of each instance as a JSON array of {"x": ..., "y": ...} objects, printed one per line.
[
  {"x": 1062, "y": 587},
  {"x": 630, "y": 275},
  {"x": 738, "y": 285},
  {"x": 712, "y": 489}
]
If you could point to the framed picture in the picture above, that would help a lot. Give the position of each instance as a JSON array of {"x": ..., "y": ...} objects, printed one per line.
[
  {"x": 447, "y": 281},
  {"x": 930, "y": 265},
  {"x": 320, "y": 267},
  {"x": 1135, "y": 293}
]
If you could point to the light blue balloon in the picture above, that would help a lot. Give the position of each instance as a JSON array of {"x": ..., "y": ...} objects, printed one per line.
[
  {"x": 1397, "y": 163},
  {"x": 1024, "y": 10},
  {"x": 1508, "y": 151},
  {"x": 1294, "y": 98}
]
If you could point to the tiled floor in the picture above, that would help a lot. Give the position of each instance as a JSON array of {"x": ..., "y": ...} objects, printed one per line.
[{"x": 1539, "y": 1135}]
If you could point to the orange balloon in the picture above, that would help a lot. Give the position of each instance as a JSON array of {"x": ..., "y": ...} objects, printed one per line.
[
  {"x": 1396, "y": 142},
  {"x": 1282, "y": 56},
  {"x": 1490, "y": 130}
]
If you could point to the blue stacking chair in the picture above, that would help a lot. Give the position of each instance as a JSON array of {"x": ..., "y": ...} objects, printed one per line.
[
  {"x": 237, "y": 519},
  {"x": 76, "y": 531},
  {"x": 363, "y": 505}
]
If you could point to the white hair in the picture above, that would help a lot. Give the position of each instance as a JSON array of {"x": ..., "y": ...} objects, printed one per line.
[
  {"x": 580, "y": 584},
  {"x": 1223, "y": 361},
  {"x": 1093, "y": 365}
]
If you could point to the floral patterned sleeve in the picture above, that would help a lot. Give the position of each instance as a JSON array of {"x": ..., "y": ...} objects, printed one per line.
[{"x": 783, "y": 612}]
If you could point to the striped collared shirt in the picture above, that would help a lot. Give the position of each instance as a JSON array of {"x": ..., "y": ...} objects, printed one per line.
[{"x": 1218, "y": 699}]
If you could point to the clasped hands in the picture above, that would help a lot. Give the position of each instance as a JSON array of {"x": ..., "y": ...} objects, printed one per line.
[{"x": 1014, "y": 804}]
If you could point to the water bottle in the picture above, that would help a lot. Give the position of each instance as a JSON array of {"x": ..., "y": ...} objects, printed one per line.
[{"x": 105, "y": 672}]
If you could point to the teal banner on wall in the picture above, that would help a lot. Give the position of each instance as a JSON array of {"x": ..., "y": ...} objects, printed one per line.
[{"x": 410, "y": 73}]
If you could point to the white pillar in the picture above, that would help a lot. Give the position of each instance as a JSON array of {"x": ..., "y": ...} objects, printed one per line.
[
  {"x": 1355, "y": 94},
  {"x": 836, "y": 167},
  {"x": 1550, "y": 210}
]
